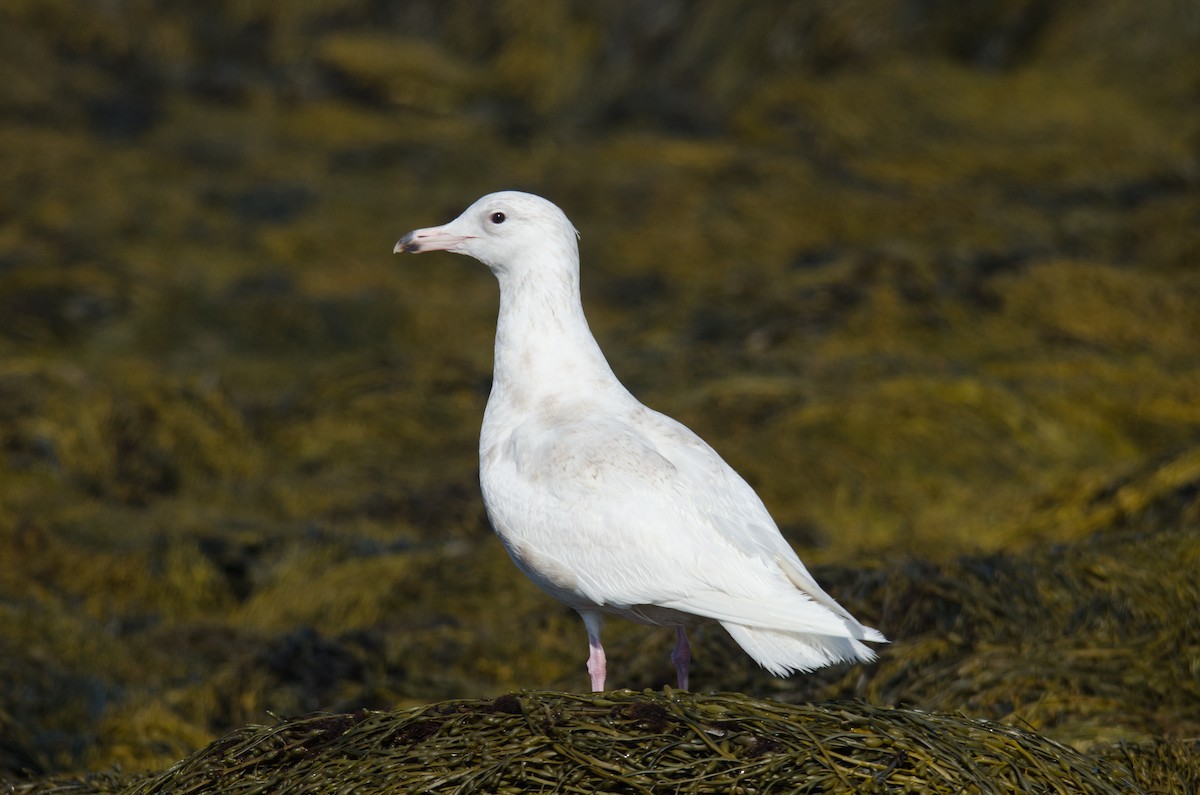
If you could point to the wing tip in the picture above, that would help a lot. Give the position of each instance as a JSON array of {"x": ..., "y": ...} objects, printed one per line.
[{"x": 873, "y": 636}]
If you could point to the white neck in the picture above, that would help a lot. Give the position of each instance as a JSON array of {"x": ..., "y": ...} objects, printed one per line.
[{"x": 544, "y": 347}]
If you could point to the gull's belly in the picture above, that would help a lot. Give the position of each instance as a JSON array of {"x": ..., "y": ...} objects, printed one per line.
[{"x": 535, "y": 532}]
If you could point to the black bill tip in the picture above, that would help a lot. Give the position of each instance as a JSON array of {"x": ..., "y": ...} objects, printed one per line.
[{"x": 406, "y": 245}]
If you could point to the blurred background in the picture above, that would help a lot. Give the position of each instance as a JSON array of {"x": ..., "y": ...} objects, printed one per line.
[{"x": 923, "y": 271}]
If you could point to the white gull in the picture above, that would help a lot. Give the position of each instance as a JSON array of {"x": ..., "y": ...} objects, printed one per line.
[{"x": 611, "y": 507}]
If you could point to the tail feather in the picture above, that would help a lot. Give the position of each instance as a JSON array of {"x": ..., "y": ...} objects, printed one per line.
[{"x": 786, "y": 653}]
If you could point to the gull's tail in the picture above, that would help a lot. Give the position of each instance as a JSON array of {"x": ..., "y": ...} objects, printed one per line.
[{"x": 784, "y": 653}]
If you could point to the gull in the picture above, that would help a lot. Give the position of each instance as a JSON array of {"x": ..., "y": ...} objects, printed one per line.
[{"x": 609, "y": 506}]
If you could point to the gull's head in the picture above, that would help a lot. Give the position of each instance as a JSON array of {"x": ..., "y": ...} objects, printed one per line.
[{"x": 506, "y": 231}]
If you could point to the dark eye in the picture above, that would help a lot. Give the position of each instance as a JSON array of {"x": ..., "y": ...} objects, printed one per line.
[{"x": 496, "y": 218}]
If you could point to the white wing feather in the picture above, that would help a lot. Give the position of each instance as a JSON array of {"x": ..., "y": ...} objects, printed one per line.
[{"x": 628, "y": 511}]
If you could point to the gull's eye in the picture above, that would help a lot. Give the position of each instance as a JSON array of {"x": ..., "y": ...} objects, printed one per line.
[{"x": 496, "y": 218}]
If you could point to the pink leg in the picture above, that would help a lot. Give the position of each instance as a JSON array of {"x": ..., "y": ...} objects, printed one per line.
[
  {"x": 597, "y": 665},
  {"x": 682, "y": 656}
]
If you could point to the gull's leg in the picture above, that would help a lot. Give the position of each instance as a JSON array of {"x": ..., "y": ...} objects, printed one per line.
[
  {"x": 597, "y": 665},
  {"x": 682, "y": 656}
]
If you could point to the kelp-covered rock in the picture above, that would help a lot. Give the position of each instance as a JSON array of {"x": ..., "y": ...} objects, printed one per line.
[
  {"x": 629, "y": 742},
  {"x": 671, "y": 741}
]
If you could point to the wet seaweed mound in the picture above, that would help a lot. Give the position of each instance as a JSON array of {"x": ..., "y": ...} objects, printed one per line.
[{"x": 624, "y": 741}]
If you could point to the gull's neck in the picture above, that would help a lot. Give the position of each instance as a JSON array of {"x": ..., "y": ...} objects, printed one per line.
[{"x": 544, "y": 348}]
